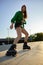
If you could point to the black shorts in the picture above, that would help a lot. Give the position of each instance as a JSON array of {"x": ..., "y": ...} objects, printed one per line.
[{"x": 18, "y": 24}]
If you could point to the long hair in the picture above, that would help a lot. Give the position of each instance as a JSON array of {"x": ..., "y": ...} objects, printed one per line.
[{"x": 25, "y": 12}]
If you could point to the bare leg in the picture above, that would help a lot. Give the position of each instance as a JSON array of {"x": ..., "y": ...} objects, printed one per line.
[
  {"x": 26, "y": 34},
  {"x": 25, "y": 46},
  {"x": 18, "y": 30},
  {"x": 13, "y": 46}
]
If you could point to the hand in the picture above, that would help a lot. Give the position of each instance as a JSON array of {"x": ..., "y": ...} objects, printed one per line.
[
  {"x": 11, "y": 26},
  {"x": 23, "y": 21}
]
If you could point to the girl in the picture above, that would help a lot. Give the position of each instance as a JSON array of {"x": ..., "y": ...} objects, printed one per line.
[{"x": 19, "y": 20}]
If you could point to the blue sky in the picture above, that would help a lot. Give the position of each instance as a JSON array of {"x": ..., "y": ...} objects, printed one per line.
[{"x": 34, "y": 20}]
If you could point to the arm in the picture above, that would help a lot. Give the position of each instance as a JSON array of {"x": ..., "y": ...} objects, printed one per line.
[
  {"x": 24, "y": 22},
  {"x": 13, "y": 20}
]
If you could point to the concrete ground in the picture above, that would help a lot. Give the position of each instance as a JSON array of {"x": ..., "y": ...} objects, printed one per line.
[{"x": 24, "y": 57}]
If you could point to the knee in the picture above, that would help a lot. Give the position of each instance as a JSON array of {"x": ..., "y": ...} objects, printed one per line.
[
  {"x": 27, "y": 34},
  {"x": 19, "y": 37}
]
